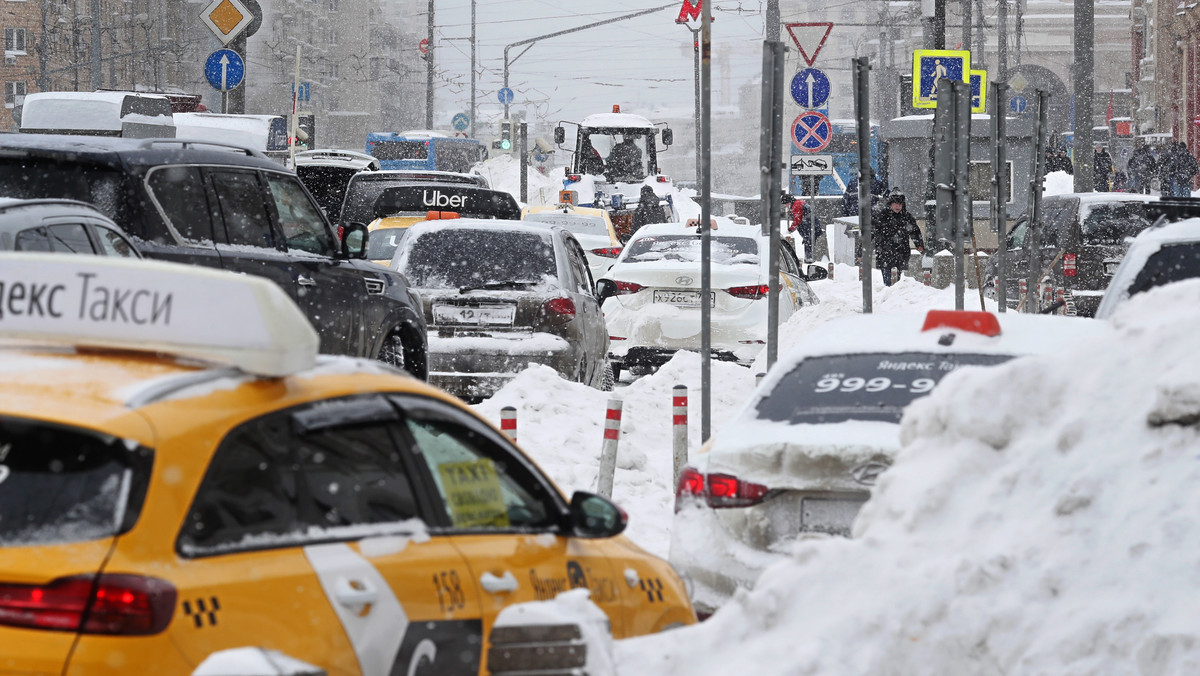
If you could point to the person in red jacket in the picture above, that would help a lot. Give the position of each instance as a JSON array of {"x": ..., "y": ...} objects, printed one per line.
[{"x": 802, "y": 221}]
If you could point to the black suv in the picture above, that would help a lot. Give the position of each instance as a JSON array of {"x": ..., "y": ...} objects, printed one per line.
[{"x": 230, "y": 208}]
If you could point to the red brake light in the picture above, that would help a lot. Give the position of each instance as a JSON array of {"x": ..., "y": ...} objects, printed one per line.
[
  {"x": 1069, "y": 265},
  {"x": 624, "y": 288},
  {"x": 559, "y": 307},
  {"x": 719, "y": 490},
  {"x": 128, "y": 605},
  {"x": 977, "y": 322},
  {"x": 752, "y": 292},
  {"x": 608, "y": 252},
  {"x": 663, "y": 179},
  {"x": 573, "y": 177}
]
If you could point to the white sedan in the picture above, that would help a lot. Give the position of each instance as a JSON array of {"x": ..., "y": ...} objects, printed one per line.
[{"x": 652, "y": 294}]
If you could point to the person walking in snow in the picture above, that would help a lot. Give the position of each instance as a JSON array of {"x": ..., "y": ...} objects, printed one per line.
[
  {"x": 648, "y": 210},
  {"x": 1141, "y": 168},
  {"x": 1102, "y": 167},
  {"x": 1179, "y": 168},
  {"x": 894, "y": 227},
  {"x": 802, "y": 221}
]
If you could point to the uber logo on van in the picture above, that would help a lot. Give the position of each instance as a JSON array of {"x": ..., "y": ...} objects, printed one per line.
[{"x": 435, "y": 198}]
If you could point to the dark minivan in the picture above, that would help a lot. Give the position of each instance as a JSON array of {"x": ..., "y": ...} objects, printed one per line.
[
  {"x": 231, "y": 208},
  {"x": 1085, "y": 236}
]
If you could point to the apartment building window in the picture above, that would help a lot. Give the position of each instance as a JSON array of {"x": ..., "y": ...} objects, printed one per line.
[
  {"x": 14, "y": 40},
  {"x": 14, "y": 94}
]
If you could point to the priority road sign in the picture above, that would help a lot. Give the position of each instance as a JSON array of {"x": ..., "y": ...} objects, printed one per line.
[
  {"x": 224, "y": 69},
  {"x": 810, "y": 88},
  {"x": 809, "y": 38},
  {"x": 1018, "y": 104},
  {"x": 811, "y": 132},
  {"x": 460, "y": 122},
  {"x": 978, "y": 91},
  {"x": 812, "y": 165},
  {"x": 931, "y": 65},
  {"x": 226, "y": 19},
  {"x": 505, "y": 95}
]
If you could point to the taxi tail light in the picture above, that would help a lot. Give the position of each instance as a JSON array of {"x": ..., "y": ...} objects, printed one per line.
[
  {"x": 124, "y": 605},
  {"x": 718, "y": 490},
  {"x": 561, "y": 309},
  {"x": 608, "y": 252},
  {"x": 624, "y": 288},
  {"x": 753, "y": 292},
  {"x": 984, "y": 323},
  {"x": 1069, "y": 265}
]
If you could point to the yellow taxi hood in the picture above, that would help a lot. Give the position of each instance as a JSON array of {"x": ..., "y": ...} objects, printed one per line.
[{"x": 394, "y": 222}]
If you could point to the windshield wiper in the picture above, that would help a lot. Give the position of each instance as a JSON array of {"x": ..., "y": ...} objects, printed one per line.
[{"x": 490, "y": 286}]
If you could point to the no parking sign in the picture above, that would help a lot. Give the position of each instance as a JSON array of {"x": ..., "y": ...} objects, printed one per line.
[{"x": 811, "y": 132}]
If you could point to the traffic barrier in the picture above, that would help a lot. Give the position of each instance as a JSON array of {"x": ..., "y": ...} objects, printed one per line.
[
  {"x": 508, "y": 422},
  {"x": 608, "y": 451},
  {"x": 679, "y": 430}
]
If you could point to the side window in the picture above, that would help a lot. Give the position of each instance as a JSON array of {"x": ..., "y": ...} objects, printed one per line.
[
  {"x": 787, "y": 260},
  {"x": 240, "y": 200},
  {"x": 579, "y": 267},
  {"x": 180, "y": 192},
  {"x": 114, "y": 243},
  {"x": 1016, "y": 237},
  {"x": 480, "y": 484},
  {"x": 301, "y": 224},
  {"x": 70, "y": 238},
  {"x": 33, "y": 239}
]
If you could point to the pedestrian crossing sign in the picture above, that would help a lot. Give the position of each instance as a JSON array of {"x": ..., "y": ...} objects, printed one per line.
[
  {"x": 978, "y": 91},
  {"x": 931, "y": 65}
]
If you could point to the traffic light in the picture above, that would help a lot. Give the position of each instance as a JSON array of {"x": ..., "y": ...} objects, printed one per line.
[
  {"x": 506, "y": 135},
  {"x": 308, "y": 125}
]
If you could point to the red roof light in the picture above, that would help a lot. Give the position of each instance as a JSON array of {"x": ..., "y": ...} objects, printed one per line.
[{"x": 983, "y": 323}]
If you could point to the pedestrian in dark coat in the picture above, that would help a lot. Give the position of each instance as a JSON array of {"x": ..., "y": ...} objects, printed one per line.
[
  {"x": 1102, "y": 167},
  {"x": 1178, "y": 170},
  {"x": 1141, "y": 168},
  {"x": 894, "y": 227},
  {"x": 648, "y": 211}
]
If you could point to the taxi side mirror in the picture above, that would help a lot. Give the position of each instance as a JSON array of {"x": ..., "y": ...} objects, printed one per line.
[
  {"x": 595, "y": 516},
  {"x": 354, "y": 241},
  {"x": 816, "y": 272},
  {"x": 604, "y": 289}
]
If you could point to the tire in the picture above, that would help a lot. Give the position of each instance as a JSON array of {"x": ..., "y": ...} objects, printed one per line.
[
  {"x": 608, "y": 379},
  {"x": 392, "y": 352}
]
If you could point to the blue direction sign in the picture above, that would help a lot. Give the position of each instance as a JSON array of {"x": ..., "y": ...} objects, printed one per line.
[
  {"x": 505, "y": 95},
  {"x": 810, "y": 88},
  {"x": 224, "y": 69},
  {"x": 811, "y": 132},
  {"x": 460, "y": 122},
  {"x": 931, "y": 65},
  {"x": 1018, "y": 104}
]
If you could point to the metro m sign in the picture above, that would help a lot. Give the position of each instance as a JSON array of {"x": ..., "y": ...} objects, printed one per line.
[{"x": 689, "y": 12}]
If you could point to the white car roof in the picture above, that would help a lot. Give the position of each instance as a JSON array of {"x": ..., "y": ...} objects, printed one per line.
[
  {"x": 625, "y": 120},
  {"x": 725, "y": 228},
  {"x": 478, "y": 223},
  {"x": 335, "y": 158},
  {"x": 1145, "y": 245}
]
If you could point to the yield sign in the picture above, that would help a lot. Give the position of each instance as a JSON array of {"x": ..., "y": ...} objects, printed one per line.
[{"x": 809, "y": 38}]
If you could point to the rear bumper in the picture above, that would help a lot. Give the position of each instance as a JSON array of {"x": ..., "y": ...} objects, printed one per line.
[
  {"x": 654, "y": 357},
  {"x": 477, "y": 367}
]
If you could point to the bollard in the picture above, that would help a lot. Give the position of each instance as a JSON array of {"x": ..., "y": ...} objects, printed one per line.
[
  {"x": 508, "y": 422},
  {"x": 943, "y": 269},
  {"x": 927, "y": 274},
  {"x": 608, "y": 451},
  {"x": 679, "y": 430}
]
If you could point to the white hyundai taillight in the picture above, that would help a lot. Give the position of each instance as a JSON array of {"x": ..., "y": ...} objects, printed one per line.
[
  {"x": 126, "y": 605},
  {"x": 608, "y": 252},
  {"x": 627, "y": 287},
  {"x": 751, "y": 292}
]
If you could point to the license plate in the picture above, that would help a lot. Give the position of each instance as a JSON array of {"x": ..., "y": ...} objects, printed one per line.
[
  {"x": 831, "y": 516},
  {"x": 475, "y": 315},
  {"x": 682, "y": 297}
]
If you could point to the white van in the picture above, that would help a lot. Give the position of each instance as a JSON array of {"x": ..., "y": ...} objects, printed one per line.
[
  {"x": 126, "y": 114},
  {"x": 267, "y": 134}
]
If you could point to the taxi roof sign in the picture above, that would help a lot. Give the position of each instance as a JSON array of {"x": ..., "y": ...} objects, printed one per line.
[{"x": 154, "y": 306}]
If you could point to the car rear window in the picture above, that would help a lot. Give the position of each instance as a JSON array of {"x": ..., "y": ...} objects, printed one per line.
[
  {"x": 1111, "y": 223},
  {"x": 1172, "y": 263},
  {"x": 62, "y": 484},
  {"x": 576, "y": 223},
  {"x": 872, "y": 387},
  {"x": 725, "y": 250},
  {"x": 37, "y": 178},
  {"x": 469, "y": 257}
]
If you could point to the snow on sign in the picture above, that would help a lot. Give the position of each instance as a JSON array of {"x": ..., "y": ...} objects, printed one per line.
[
  {"x": 812, "y": 165},
  {"x": 809, "y": 38},
  {"x": 811, "y": 131},
  {"x": 225, "y": 70},
  {"x": 226, "y": 19}
]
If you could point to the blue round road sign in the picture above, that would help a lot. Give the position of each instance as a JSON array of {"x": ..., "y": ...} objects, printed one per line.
[
  {"x": 811, "y": 132},
  {"x": 505, "y": 95},
  {"x": 810, "y": 88},
  {"x": 224, "y": 69},
  {"x": 1018, "y": 104},
  {"x": 460, "y": 122}
]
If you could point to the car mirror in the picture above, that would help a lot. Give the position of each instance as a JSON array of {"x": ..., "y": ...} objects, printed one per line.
[
  {"x": 560, "y": 135},
  {"x": 668, "y": 137},
  {"x": 354, "y": 241},
  {"x": 595, "y": 516},
  {"x": 605, "y": 288},
  {"x": 816, "y": 272}
]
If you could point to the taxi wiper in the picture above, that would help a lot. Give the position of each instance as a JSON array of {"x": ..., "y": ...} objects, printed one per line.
[{"x": 491, "y": 286}]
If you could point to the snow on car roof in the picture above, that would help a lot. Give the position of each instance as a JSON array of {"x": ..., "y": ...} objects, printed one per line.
[
  {"x": 1145, "y": 245},
  {"x": 417, "y": 229},
  {"x": 725, "y": 228},
  {"x": 617, "y": 120}
]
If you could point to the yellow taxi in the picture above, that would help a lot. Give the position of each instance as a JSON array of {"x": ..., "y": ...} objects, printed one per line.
[
  {"x": 592, "y": 227},
  {"x": 182, "y": 475}
]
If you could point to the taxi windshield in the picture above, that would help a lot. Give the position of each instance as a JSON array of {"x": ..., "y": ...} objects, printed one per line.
[
  {"x": 60, "y": 484},
  {"x": 875, "y": 387}
]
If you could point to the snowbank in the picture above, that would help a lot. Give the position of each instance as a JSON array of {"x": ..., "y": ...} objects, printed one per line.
[
  {"x": 1058, "y": 183},
  {"x": 503, "y": 172},
  {"x": 1041, "y": 518}
]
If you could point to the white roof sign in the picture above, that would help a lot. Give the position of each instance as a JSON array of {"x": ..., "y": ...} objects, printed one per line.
[{"x": 154, "y": 306}]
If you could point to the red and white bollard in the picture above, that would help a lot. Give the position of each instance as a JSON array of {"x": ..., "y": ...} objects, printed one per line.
[
  {"x": 508, "y": 422},
  {"x": 608, "y": 452},
  {"x": 679, "y": 430},
  {"x": 927, "y": 277}
]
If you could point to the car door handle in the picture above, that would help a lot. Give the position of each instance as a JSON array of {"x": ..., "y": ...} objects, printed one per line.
[
  {"x": 355, "y": 593},
  {"x": 305, "y": 281},
  {"x": 498, "y": 585}
]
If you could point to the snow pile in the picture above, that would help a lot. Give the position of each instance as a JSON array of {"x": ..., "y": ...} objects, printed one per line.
[
  {"x": 1041, "y": 518},
  {"x": 560, "y": 425},
  {"x": 1058, "y": 183},
  {"x": 572, "y": 607},
  {"x": 503, "y": 172}
]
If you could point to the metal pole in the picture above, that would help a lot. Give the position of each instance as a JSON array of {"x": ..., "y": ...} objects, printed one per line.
[
  {"x": 967, "y": 20},
  {"x": 429, "y": 69},
  {"x": 473, "y": 69},
  {"x": 1085, "y": 29},
  {"x": 1002, "y": 51},
  {"x": 97, "y": 73},
  {"x": 293, "y": 123},
  {"x": 979, "y": 38},
  {"x": 939, "y": 24},
  {"x": 862, "y": 90},
  {"x": 237, "y": 95},
  {"x": 961, "y": 91},
  {"x": 772, "y": 195},
  {"x": 523, "y": 160},
  {"x": 705, "y": 226},
  {"x": 1001, "y": 184},
  {"x": 1033, "y": 244},
  {"x": 696, "y": 73},
  {"x": 772, "y": 24}
]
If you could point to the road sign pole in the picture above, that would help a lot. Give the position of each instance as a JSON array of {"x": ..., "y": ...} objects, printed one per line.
[
  {"x": 523, "y": 160},
  {"x": 961, "y": 99},
  {"x": 292, "y": 124},
  {"x": 773, "y": 62},
  {"x": 1000, "y": 184},
  {"x": 862, "y": 92},
  {"x": 1033, "y": 244},
  {"x": 237, "y": 97},
  {"x": 705, "y": 226}
]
